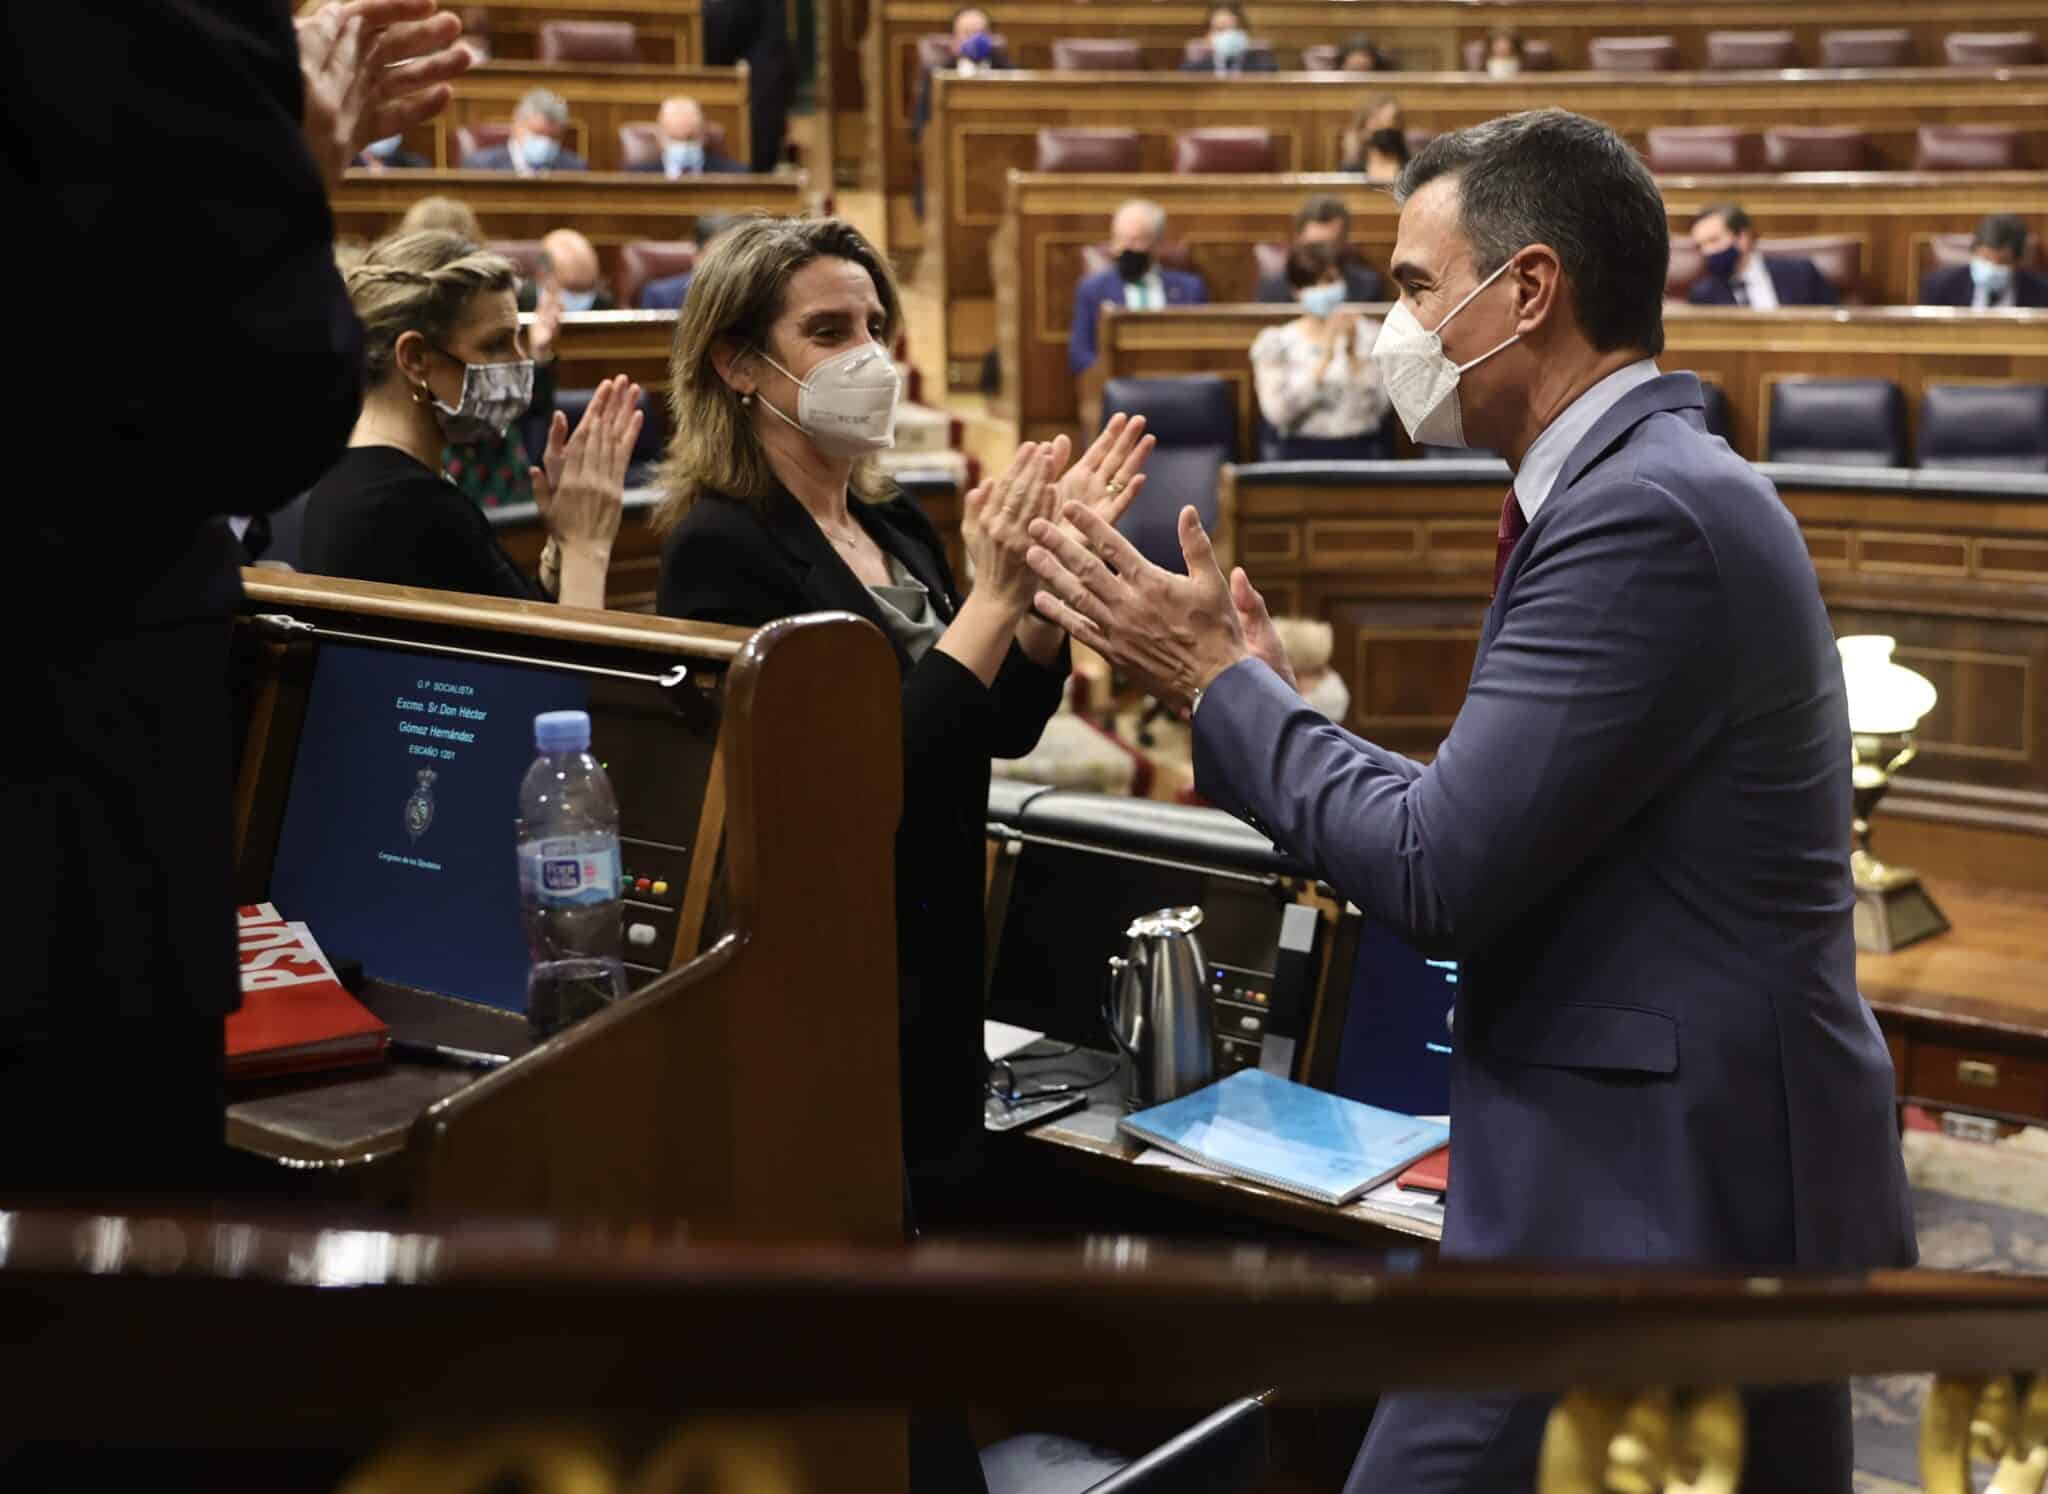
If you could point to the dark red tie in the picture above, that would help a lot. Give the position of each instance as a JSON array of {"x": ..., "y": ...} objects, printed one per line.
[{"x": 1512, "y": 524}]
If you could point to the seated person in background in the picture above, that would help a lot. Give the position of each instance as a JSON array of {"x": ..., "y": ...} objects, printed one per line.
[
  {"x": 448, "y": 214},
  {"x": 445, "y": 361},
  {"x": 1136, "y": 280},
  {"x": 1994, "y": 278},
  {"x": 1738, "y": 274},
  {"x": 1386, "y": 152},
  {"x": 1380, "y": 112},
  {"x": 1317, "y": 385},
  {"x": 1504, "y": 57},
  {"x": 666, "y": 294},
  {"x": 684, "y": 150},
  {"x": 974, "y": 50},
  {"x": 1230, "y": 46},
  {"x": 1360, "y": 54},
  {"x": 574, "y": 261},
  {"x": 536, "y": 144},
  {"x": 1324, "y": 219},
  {"x": 389, "y": 154}
]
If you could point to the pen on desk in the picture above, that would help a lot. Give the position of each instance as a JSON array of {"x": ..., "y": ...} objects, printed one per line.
[{"x": 466, "y": 1058}]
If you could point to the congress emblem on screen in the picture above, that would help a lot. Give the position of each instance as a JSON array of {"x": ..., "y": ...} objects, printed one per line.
[{"x": 419, "y": 806}]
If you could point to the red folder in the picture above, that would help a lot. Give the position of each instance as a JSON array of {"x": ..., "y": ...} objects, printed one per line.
[
  {"x": 1431, "y": 1174},
  {"x": 295, "y": 1014}
]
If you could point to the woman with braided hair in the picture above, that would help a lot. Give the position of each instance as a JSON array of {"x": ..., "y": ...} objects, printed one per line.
[{"x": 445, "y": 360}]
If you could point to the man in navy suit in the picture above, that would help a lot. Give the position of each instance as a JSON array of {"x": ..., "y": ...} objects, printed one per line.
[
  {"x": 535, "y": 148},
  {"x": 685, "y": 148},
  {"x": 1230, "y": 47},
  {"x": 1636, "y": 835},
  {"x": 1994, "y": 279},
  {"x": 1739, "y": 275},
  {"x": 1136, "y": 280}
]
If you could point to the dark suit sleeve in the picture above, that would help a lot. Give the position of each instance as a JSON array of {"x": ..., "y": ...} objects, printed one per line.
[
  {"x": 1198, "y": 290},
  {"x": 1273, "y": 290},
  {"x": 1702, "y": 292},
  {"x": 1081, "y": 340},
  {"x": 921, "y": 107},
  {"x": 1930, "y": 289},
  {"x": 1823, "y": 289},
  {"x": 1599, "y": 688},
  {"x": 268, "y": 382}
]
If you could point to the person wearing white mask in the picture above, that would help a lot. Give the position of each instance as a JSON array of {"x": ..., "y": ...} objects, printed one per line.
[
  {"x": 1229, "y": 51},
  {"x": 686, "y": 148},
  {"x": 573, "y": 260},
  {"x": 535, "y": 146},
  {"x": 446, "y": 362},
  {"x": 1504, "y": 58},
  {"x": 1634, "y": 836},
  {"x": 1996, "y": 276},
  {"x": 1317, "y": 386},
  {"x": 782, "y": 391}
]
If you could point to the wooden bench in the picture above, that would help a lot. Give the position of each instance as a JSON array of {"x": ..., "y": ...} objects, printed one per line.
[
  {"x": 1744, "y": 352},
  {"x": 612, "y": 208},
  {"x": 1423, "y": 37},
  {"x": 1034, "y": 259}
]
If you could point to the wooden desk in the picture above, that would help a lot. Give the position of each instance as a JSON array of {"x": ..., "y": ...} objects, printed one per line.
[
  {"x": 1744, "y": 352},
  {"x": 1033, "y": 260},
  {"x": 629, "y": 584},
  {"x": 1426, "y": 36},
  {"x": 1399, "y": 562},
  {"x": 1966, "y": 1012},
  {"x": 985, "y": 126},
  {"x": 670, "y": 31},
  {"x": 610, "y": 208},
  {"x": 601, "y": 96},
  {"x": 594, "y": 345}
]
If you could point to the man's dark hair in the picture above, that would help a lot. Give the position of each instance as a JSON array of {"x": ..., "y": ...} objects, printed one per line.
[
  {"x": 1362, "y": 43},
  {"x": 1552, "y": 177},
  {"x": 1730, "y": 213},
  {"x": 1389, "y": 143},
  {"x": 2006, "y": 232},
  {"x": 1310, "y": 264},
  {"x": 1321, "y": 208}
]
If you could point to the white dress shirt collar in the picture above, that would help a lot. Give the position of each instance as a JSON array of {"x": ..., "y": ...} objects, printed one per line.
[
  {"x": 1546, "y": 456},
  {"x": 1756, "y": 279}
]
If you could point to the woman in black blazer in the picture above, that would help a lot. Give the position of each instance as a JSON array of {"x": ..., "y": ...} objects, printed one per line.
[{"x": 780, "y": 386}]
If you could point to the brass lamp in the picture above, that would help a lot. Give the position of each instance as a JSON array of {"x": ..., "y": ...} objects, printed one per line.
[{"x": 1886, "y": 703}]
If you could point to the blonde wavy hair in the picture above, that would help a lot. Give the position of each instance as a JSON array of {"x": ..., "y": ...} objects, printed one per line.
[
  {"x": 419, "y": 282},
  {"x": 737, "y": 293},
  {"x": 449, "y": 214}
]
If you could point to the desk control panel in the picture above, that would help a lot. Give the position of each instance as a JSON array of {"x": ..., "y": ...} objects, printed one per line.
[{"x": 1244, "y": 1005}]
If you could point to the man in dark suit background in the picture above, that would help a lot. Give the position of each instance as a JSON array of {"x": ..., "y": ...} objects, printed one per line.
[
  {"x": 1994, "y": 278},
  {"x": 1324, "y": 219},
  {"x": 1136, "y": 280},
  {"x": 120, "y": 910},
  {"x": 1635, "y": 837},
  {"x": 1738, "y": 274},
  {"x": 666, "y": 294},
  {"x": 535, "y": 148},
  {"x": 1230, "y": 47},
  {"x": 972, "y": 41},
  {"x": 757, "y": 33},
  {"x": 686, "y": 149}
]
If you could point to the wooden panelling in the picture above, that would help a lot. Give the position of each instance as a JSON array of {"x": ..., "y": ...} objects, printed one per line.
[
  {"x": 1031, "y": 263},
  {"x": 1744, "y": 352},
  {"x": 1400, "y": 573},
  {"x": 670, "y": 31},
  {"x": 1424, "y": 36},
  {"x": 595, "y": 345},
  {"x": 610, "y": 207},
  {"x": 986, "y": 125},
  {"x": 600, "y": 96}
]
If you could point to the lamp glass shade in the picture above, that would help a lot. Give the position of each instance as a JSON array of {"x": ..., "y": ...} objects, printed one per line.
[{"x": 1885, "y": 699}]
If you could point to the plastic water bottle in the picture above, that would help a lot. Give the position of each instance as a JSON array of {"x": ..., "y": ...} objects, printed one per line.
[{"x": 568, "y": 876}]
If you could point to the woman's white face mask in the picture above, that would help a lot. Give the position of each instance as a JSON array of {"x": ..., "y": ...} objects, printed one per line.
[{"x": 848, "y": 404}]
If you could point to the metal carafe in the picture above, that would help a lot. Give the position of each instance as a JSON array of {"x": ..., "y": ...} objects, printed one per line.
[{"x": 1157, "y": 1004}]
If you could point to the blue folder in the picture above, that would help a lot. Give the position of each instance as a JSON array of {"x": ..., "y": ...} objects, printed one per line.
[{"x": 1269, "y": 1130}]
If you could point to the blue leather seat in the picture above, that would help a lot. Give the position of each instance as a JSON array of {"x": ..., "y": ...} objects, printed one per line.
[
  {"x": 1194, "y": 420},
  {"x": 1224, "y": 1453},
  {"x": 646, "y": 450},
  {"x": 1837, "y": 423},
  {"x": 1717, "y": 408},
  {"x": 1985, "y": 427}
]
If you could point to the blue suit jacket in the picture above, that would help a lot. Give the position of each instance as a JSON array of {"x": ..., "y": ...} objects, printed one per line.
[
  {"x": 714, "y": 165},
  {"x": 1798, "y": 282},
  {"x": 665, "y": 294},
  {"x": 1636, "y": 839},
  {"x": 1183, "y": 288},
  {"x": 499, "y": 158},
  {"x": 1953, "y": 287}
]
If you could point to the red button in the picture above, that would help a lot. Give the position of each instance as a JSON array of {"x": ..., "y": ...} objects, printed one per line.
[{"x": 641, "y": 884}]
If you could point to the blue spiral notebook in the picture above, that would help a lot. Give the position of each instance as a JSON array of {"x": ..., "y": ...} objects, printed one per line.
[{"x": 1269, "y": 1130}]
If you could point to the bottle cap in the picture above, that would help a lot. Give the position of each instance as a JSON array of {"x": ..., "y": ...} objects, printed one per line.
[{"x": 562, "y": 731}]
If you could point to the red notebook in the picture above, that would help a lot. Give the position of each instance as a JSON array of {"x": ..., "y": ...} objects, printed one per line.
[
  {"x": 1431, "y": 1174},
  {"x": 295, "y": 1014}
]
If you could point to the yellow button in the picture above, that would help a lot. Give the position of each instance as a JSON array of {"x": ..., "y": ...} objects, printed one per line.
[{"x": 659, "y": 889}]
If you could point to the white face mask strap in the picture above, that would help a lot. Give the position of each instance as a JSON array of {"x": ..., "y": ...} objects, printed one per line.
[
  {"x": 769, "y": 359},
  {"x": 1482, "y": 285}
]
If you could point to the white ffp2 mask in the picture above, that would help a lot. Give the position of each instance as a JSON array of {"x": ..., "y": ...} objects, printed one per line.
[
  {"x": 1421, "y": 379},
  {"x": 848, "y": 404}
]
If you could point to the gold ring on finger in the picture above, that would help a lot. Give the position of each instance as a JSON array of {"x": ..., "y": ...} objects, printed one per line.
[{"x": 1115, "y": 487}]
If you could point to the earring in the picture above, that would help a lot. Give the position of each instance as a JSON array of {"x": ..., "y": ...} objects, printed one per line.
[{"x": 747, "y": 398}]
